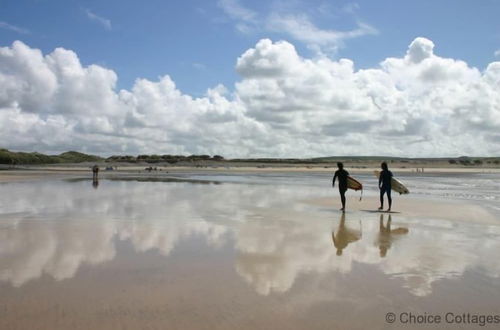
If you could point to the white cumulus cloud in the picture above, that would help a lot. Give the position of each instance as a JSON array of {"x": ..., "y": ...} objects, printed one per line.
[{"x": 284, "y": 105}]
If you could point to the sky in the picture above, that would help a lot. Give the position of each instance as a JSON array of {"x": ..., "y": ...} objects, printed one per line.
[{"x": 244, "y": 78}]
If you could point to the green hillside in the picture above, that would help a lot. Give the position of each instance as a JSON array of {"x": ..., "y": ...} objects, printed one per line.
[
  {"x": 29, "y": 158},
  {"x": 33, "y": 158}
]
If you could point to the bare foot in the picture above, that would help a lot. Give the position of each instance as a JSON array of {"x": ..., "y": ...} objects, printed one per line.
[
  {"x": 388, "y": 210},
  {"x": 380, "y": 208}
]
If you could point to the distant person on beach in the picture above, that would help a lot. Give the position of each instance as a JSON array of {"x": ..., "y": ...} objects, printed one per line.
[
  {"x": 384, "y": 184},
  {"x": 342, "y": 175},
  {"x": 95, "y": 172}
]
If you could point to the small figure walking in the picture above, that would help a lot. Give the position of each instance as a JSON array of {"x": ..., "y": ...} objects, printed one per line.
[
  {"x": 342, "y": 175},
  {"x": 95, "y": 172},
  {"x": 384, "y": 184}
]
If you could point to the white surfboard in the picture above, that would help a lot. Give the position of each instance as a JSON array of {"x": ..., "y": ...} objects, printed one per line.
[{"x": 396, "y": 185}]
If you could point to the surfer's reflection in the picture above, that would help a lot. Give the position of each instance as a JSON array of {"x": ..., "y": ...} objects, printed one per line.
[
  {"x": 95, "y": 183},
  {"x": 387, "y": 235},
  {"x": 344, "y": 235}
]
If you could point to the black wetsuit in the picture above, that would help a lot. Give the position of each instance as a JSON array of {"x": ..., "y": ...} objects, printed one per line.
[
  {"x": 342, "y": 175},
  {"x": 384, "y": 183}
]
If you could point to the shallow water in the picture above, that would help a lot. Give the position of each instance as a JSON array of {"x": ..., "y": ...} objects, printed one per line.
[
  {"x": 482, "y": 187},
  {"x": 227, "y": 251}
]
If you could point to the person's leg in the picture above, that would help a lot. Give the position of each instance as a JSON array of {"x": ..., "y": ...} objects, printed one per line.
[
  {"x": 389, "y": 198},
  {"x": 382, "y": 190},
  {"x": 342, "y": 198}
]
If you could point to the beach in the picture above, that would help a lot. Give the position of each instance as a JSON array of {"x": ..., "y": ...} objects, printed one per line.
[
  {"x": 248, "y": 248},
  {"x": 222, "y": 165}
]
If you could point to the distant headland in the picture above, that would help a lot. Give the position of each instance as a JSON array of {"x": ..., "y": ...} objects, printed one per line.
[{"x": 73, "y": 157}]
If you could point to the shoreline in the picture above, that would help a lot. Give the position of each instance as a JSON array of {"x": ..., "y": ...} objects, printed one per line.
[
  {"x": 40, "y": 173},
  {"x": 414, "y": 206},
  {"x": 66, "y": 170}
]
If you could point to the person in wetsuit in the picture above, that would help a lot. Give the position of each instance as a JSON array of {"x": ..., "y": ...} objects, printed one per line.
[
  {"x": 342, "y": 175},
  {"x": 95, "y": 172},
  {"x": 384, "y": 183}
]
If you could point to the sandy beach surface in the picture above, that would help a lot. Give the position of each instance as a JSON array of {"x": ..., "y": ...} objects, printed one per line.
[{"x": 190, "y": 248}]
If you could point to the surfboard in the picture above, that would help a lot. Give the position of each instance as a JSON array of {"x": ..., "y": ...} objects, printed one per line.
[
  {"x": 353, "y": 184},
  {"x": 396, "y": 185}
]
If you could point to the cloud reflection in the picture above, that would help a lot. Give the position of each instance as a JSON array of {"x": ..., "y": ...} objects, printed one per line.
[{"x": 55, "y": 228}]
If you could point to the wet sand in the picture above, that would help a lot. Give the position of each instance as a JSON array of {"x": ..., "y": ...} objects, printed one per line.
[
  {"x": 211, "y": 254},
  {"x": 418, "y": 208}
]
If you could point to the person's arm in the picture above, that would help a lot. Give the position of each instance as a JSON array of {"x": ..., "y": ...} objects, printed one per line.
[
  {"x": 380, "y": 181},
  {"x": 334, "y": 177}
]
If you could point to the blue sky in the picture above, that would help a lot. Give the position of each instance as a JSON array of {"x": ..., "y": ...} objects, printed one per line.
[
  {"x": 245, "y": 78},
  {"x": 196, "y": 42}
]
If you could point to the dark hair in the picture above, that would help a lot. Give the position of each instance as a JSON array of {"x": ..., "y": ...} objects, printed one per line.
[
  {"x": 340, "y": 165},
  {"x": 384, "y": 165}
]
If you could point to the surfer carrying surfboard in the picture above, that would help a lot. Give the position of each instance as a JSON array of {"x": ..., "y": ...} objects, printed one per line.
[
  {"x": 384, "y": 184},
  {"x": 342, "y": 175}
]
